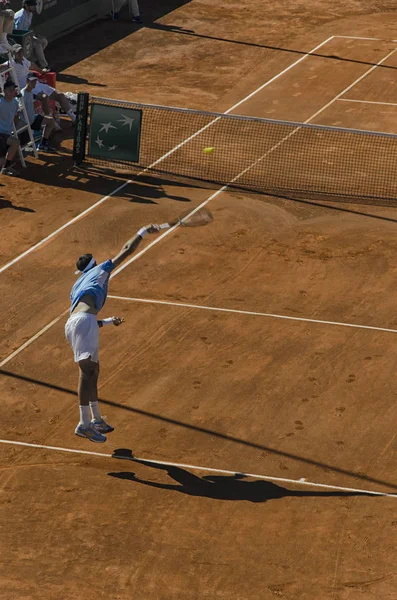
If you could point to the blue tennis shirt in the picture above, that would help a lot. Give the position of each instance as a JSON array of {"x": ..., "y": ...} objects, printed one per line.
[{"x": 95, "y": 283}]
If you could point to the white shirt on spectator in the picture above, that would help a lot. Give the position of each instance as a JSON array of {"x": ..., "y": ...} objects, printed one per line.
[
  {"x": 23, "y": 19},
  {"x": 21, "y": 70}
]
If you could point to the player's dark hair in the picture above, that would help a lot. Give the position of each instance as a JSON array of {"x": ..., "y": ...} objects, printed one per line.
[{"x": 83, "y": 261}]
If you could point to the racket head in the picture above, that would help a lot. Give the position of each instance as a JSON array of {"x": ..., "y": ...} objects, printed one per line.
[{"x": 197, "y": 219}]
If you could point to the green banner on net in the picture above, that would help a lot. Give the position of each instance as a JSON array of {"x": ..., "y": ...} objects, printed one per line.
[{"x": 114, "y": 133}]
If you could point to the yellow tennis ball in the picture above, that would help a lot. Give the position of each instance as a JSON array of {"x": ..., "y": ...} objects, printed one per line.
[{"x": 208, "y": 150}]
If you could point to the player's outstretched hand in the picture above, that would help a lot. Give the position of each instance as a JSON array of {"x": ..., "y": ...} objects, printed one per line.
[
  {"x": 117, "y": 321},
  {"x": 152, "y": 228}
]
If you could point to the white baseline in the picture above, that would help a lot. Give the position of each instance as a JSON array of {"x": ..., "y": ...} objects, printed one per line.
[{"x": 301, "y": 481}]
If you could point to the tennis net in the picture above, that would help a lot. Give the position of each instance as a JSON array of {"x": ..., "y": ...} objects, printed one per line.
[{"x": 269, "y": 156}]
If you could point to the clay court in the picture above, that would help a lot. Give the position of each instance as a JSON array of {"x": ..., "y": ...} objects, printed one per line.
[{"x": 254, "y": 377}]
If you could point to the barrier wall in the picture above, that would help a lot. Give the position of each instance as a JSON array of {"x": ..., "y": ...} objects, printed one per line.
[{"x": 54, "y": 18}]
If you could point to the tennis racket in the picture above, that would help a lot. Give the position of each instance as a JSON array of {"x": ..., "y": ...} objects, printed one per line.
[{"x": 190, "y": 219}]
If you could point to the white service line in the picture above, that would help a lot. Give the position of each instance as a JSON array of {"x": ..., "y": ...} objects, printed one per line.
[
  {"x": 159, "y": 160},
  {"x": 349, "y": 87},
  {"x": 250, "y": 312},
  {"x": 301, "y": 481},
  {"x": 353, "y": 37},
  {"x": 367, "y": 102}
]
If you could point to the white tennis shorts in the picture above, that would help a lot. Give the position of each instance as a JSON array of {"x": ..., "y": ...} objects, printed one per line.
[{"x": 82, "y": 333}]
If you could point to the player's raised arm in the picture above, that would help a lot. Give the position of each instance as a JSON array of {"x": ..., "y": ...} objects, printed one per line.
[{"x": 132, "y": 244}]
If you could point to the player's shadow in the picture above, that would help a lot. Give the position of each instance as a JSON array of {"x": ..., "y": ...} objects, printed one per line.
[{"x": 223, "y": 487}]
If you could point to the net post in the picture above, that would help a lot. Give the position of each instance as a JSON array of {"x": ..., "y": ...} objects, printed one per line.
[{"x": 80, "y": 132}]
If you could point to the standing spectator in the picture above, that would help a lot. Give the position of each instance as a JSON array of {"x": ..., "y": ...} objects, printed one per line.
[
  {"x": 37, "y": 122},
  {"x": 23, "y": 20},
  {"x": 117, "y": 5},
  {"x": 9, "y": 145},
  {"x": 6, "y": 25},
  {"x": 42, "y": 91}
]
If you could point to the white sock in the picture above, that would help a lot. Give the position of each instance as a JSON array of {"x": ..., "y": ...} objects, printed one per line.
[
  {"x": 96, "y": 414},
  {"x": 85, "y": 417},
  {"x": 4, "y": 37},
  {"x": 71, "y": 115}
]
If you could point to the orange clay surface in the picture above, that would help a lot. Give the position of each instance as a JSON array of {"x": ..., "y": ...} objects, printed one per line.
[{"x": 248, "y": 393}]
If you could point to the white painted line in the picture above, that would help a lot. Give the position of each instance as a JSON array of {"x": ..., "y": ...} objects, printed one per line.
[
  {"x": 222, "y": 189},
  {"x": 272, "y": 149},
  {"x": 353, "y": 37},
  {"x": 162, "y": 158},
  {"x": 32, "y": 339},
  {"x": 367, "y": 102},
  {"x": 301, "y": 481},
  {"x": 349, "y": 87},
  {"x": 252, "y": 313},
  {"x": 167, "y": 232},
  {"x": 54, "y": 233},
  {"x": 279, "y": 74}
]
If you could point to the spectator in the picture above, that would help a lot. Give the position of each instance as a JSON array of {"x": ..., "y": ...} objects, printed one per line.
[
  {"x": 23, "y": 20},
  {"x": 42, "y": 91},
  {"x": 9, "y": 145},
  {"x": 37, "y": 122},
  {"x": 117, "y": 5},
  {"x": 6, "y": 25}
]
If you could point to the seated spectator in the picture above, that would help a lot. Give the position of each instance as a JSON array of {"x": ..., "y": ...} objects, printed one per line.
[
  {"x": 6, "y": 25},
  {"x": 117, "y": 5},
  {"x": 23, "y": 20},
  {"x": 37, "y": 122},
  {"x": 42, "y": 91},
  {"x": 9, "y": 145}
]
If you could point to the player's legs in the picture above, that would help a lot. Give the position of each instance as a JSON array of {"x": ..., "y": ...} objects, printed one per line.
[
  {"x": 82, "y": 333},
  {"x": 87, "y": 390},
  {"x": 97, "y": 420}
]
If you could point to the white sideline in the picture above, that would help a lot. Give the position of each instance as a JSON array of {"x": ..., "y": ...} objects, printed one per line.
[
  {"x": 301, "y": 481},
  {"x": 121, "y": 187},
  {"x": 252, "y": 313}
]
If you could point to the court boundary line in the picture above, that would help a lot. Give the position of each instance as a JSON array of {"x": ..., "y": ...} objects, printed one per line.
[
  {"x": 354, "y": 37},
  {"x": 223, "y": 188},
  {"x": 166, "y": 155},
  {"x": 249, "y": 313},
  {"x": 301, "y": 481},
  {"x": 367, "y": 101}
]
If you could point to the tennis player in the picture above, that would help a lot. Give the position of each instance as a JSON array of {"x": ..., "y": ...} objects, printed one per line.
[{"x": 88, "y": 296}]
